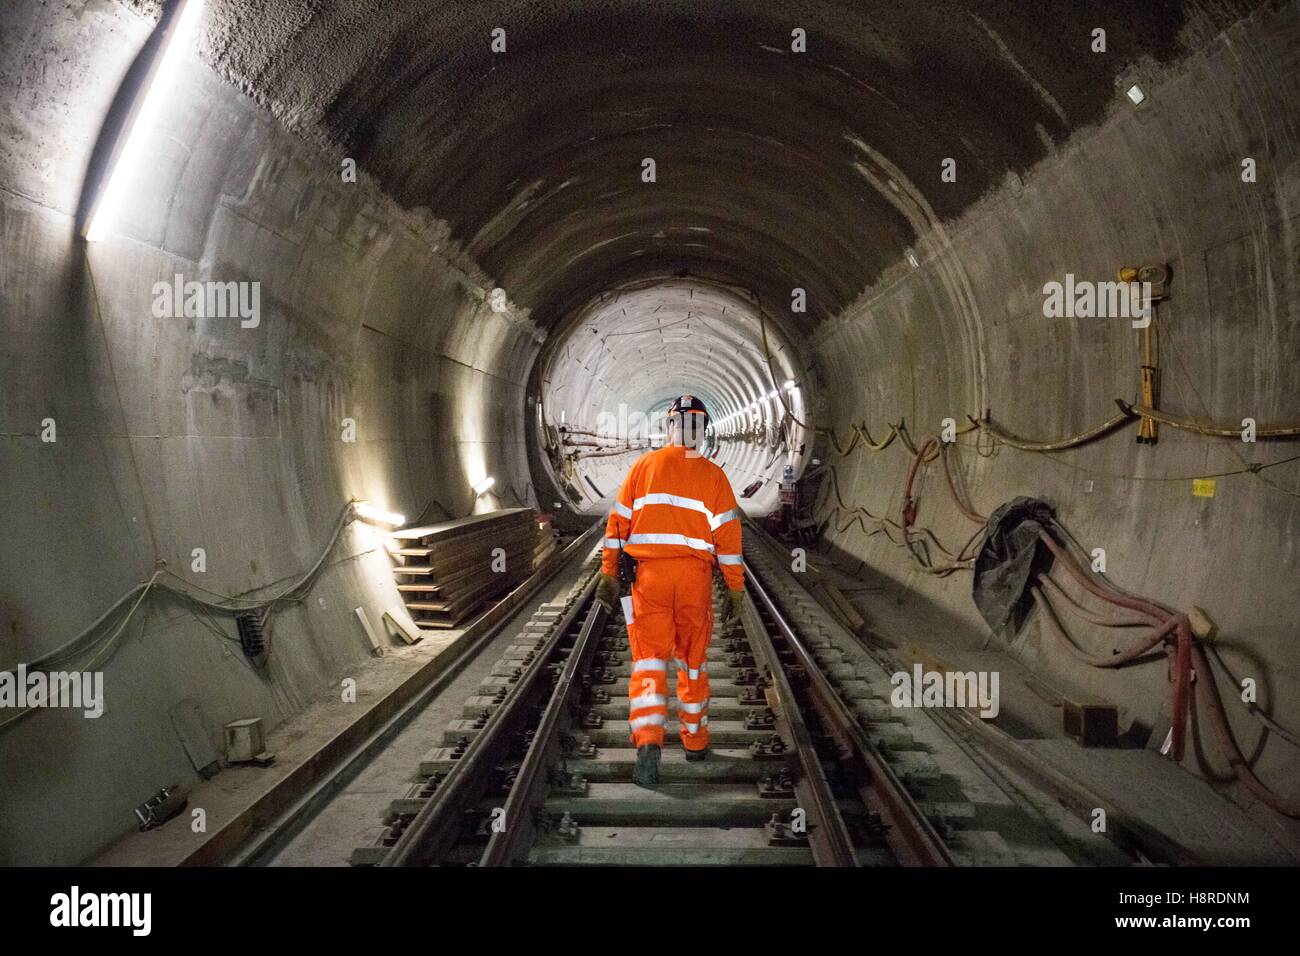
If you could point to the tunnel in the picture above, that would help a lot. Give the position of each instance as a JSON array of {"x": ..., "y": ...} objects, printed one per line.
[{"x": 995, "y": 309}]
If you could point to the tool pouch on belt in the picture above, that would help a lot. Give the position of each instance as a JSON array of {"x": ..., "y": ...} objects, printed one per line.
[{"x": 626, "y": 568}]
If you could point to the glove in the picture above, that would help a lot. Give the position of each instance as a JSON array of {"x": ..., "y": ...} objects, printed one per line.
[
  {"x": 731, "y": 612},
  {"x": 607, "y": 591}
]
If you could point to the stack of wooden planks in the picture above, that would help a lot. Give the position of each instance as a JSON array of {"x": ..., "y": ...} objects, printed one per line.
[
  {"x": 447, "y": 571},
  {"x": 547, "y": 540}
]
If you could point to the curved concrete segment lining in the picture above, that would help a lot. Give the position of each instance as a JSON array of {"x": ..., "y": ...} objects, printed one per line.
[{"x": 608, "y": 378}]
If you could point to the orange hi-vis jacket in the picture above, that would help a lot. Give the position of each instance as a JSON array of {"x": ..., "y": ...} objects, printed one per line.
[{"x": 673, "y": 505}]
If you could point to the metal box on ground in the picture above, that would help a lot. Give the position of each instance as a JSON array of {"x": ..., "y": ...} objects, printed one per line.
[
  {"x": 245, "y": 743},
  {"x": 1093, "y": 723}
]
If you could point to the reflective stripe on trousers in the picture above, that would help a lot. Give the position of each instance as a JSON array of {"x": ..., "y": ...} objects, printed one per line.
[
  {"x": 693, "y": 702},
  {"x": 648, "y": 698},
  {"x": 672, "y": 620}
]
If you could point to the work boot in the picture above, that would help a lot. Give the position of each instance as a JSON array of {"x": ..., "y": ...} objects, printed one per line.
[
  {"x": 646, "y": 773},
  {"x": 694, "y": 755}
]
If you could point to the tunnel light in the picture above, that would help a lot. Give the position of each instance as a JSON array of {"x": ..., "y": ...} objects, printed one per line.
[
  {"x": 790, "y": 385},
  {"x": 484, "y": 485},
  {"x": 369, "y": 512},
  {"x": 911, "y": 258},
  {"x": 158, "y": 83},
  {"x": 1135, "y": 94}
]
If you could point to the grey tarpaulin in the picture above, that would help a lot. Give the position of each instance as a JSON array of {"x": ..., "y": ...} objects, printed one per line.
[{"x": 1011, "y": 553}]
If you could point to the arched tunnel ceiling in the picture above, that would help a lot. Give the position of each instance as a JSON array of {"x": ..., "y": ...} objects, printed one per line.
[{"x": 534, "y": 156}]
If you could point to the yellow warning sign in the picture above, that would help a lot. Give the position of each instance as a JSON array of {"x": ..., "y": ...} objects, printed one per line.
[{"x": 1203, "y": 487}]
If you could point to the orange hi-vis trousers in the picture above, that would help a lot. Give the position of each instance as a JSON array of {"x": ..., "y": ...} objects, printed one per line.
[{"x": 672, "y": 621}]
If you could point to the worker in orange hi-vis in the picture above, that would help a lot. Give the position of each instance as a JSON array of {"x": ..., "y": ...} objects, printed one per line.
[{"x": 675, "y": 516}]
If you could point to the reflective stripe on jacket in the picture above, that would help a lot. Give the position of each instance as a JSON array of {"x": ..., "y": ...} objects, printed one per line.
[{"x": 672, "y": 505}]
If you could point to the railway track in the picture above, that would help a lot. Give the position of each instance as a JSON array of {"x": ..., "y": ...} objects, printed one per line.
[
  {"x": 537, "y": 769},
  {"x": 809, "y": 763}
]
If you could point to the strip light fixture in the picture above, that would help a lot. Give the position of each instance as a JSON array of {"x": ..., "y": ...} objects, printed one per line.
[
  {"x": 366, "y": 510},
  {"x": 178, "y": 28}
]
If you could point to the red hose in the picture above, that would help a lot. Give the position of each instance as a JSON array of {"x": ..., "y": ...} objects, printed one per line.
[
  {"x": 1212, "y": 706},
  {"x": 909, "y": 503},
  {"x": 952, "y": 490},
  {"x": 1187, "y": 660},
  {"x": 1182, "y": 680},
  {"x": 1079, "y": 611},
  {"x": 1157, "y": 614},
  {"x": 1145, "y": 645},
  {"x": 1167, "y": 621},
  {"x": 1189, "y": 663}
]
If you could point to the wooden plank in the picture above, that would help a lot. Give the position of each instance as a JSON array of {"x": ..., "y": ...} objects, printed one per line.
[
  {"x": 443, "y": 560},
  {"x": 452, "y": 571},
  {"x": 457, "y": 525},
  {"x": 852, "y": 619},
  {"x": 400, "y": 622},
  {"x": 466, "y": 543},
  {"x": 376, "y": 645},
  {"x": 814, "y": 589},
  {"x": 187, "y": 720}
]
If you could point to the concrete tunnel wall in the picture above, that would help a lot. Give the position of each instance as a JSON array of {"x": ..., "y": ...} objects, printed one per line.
[
  {"x": 964, "y": 331},
  {"x": 175, "y": 433}
]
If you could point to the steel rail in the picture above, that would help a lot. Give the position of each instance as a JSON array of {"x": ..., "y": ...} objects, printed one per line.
[
  {"x": 987, "y": 744},
  {"x": 437, "y": 825},
  {"x": 1127, "y": 832},
  {"x": 910, "y": 835},
  {"x": 828, "y": 836},
  {"x": 277, "y": 828},
  {"x": 510, "y": 844}
]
